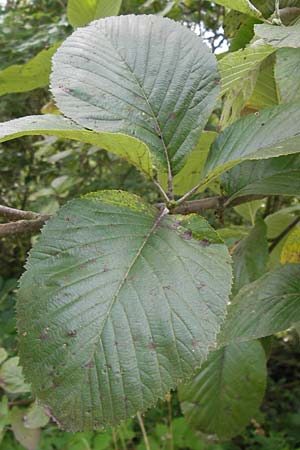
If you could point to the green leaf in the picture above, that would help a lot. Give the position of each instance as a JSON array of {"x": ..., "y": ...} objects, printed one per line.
[
  {"x": 249, "y": 210},
  {"x": 121, "y": 145},
  {"x": 144, "y": 76},
  {"x": 275, "y": 176},
  {"x": 287, "y": 74},
  {"x": 3, "y": 355},
  {"x": 237, "y": 66},
  {"x": 239, "y": 77},
  {"x": 243, "y": 6},
  {"x": 250, "y": 256},
  {"x": 290, "y": 252},
  {"x": 227, "y": 391},
  {"x": 271, "y": 132},
  {"x": 28, "y": 438},
  {"x": 119, "y": 302},
  {"x": 35, "y": 416},
  {"x": 190, "y": 174},
  {"x": 279, "y": 36},
  {"x": 265, "y": 92},
  {"x": 11, "y": 377},
  {"x": 276, "y": 223},
  {"x": 264, "y": 307},
  {"x": 31, "y": 75},
  {"x": 81, "y": 12}
]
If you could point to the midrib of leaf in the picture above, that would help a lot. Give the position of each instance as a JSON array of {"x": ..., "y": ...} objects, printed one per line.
[
  {"x": 125, "y": 277},
  {"x": 157, "y": 125}
]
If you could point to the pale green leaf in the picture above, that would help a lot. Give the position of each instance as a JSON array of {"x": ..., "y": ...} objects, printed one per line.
[
  {"x": 238, "y": 66},
  {"x": 121, "y": 145},
  {"x": 119, "y": 303},
  {"x": 290, "y": 252},
  {"x": 145, "y": 76},
  {"x": 276, "y": 223},
  {"x": 190, "y": 174},
  {"x": 11, "y": 377},
  {"x": 249, "y": 210},
  {"x": 279, "y": 36},
  {"x": 265, "y": 91},
  {"x": 269, "y": 133},
  {"x": 227, "y": 391},
  {"x": 28, "y": 438},
  {"x": 287, "y": 71},
  {"x": 31, "y": 75},
  {"x": 250, "y": 256},
  {"x": 243, "y": 6},
  {"x": 81, "y": 12},
  {"x": 275, "y": 176},
  {"x": 35, "y": 416},
  {"x": 3, "y": 355},
  {"x": 264, "y": 307}
]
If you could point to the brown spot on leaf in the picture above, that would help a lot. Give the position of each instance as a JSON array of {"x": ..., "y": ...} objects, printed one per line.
[
  {"x": 173, "y": 115},
  {"x": 187, "y": 235},
  {"x": 89, "y": 365},
  {"x": 204, "y": 242},
  {"x": 152, "y": 346}
]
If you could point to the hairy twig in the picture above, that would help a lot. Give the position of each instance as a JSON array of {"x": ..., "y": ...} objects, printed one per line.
[{"x": 281, "y": 235}]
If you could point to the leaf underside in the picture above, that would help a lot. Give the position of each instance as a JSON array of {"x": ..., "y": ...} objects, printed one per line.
[
  {"x": 118, "y": 304},
  {"x": 144, "y": 76}
]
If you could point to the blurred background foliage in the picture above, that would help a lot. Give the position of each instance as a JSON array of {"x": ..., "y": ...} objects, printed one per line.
[{"x": 41, "y": 174}]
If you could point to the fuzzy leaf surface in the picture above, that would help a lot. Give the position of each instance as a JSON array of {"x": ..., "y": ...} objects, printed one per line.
[{"x": 144, "y": 76}]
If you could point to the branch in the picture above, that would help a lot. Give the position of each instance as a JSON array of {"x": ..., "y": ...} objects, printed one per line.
[
  {"x": 22, "y": 226},
  {"x": 280, "y": 236},
  {"x": 33, "y": 222},
  {"x": 21, "y": 221},
  {"x": 16, "y": 214}
]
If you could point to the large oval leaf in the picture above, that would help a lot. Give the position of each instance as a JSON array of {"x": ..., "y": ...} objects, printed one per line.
[
  {"x": 227, "y": 390},
  {"x": 119, "y": 302},
  {"x": 145, "y": 76}
]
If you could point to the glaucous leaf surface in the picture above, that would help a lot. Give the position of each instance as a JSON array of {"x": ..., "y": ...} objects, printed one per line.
[
  {"x": 31, "y": 75},
  {"x": 264, "y": 307},
  {"x": 81, "y": 12},
  {"x": 250, "y": 256},
  {"x": 227, "y": 391},
  {"x": 129, "y": 148},
  {"x": 144, "y": 76},
  {"x": 287, "y": 70},
  {"x": 279, "y": 36},
  {"x": 271, "y": 132},
  {"x": 275, "y": 176},
  {"x": 119, "y": 302}
]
